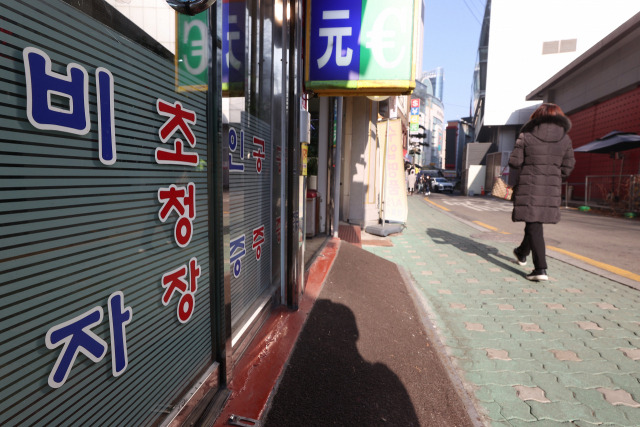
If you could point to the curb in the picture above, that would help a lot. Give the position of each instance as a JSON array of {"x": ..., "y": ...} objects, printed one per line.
[{"x": 421, "y": 305}]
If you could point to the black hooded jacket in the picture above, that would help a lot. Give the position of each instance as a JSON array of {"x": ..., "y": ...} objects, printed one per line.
[{"x": 541, "y": 159}]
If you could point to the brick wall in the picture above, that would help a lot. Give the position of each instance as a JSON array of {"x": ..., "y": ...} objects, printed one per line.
[{"x": 621, "y": 113}]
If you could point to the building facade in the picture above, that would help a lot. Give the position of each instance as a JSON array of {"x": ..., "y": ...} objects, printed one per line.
[
  {"x": 517, "y": 54},
  {"x": 600, "y": 93},
  {"x": 153, "y": 215}
]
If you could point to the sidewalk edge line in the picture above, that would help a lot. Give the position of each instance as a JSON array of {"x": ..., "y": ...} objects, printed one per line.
[
  {"x": 437, "y": 205},
  {"x": 607, "y": 271}
]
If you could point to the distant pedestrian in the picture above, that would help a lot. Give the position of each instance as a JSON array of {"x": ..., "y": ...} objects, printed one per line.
[
  {"x": 541, "y": 159},
  {"x": 412, "y": 181},
  {"x": 406, "y": 178}
]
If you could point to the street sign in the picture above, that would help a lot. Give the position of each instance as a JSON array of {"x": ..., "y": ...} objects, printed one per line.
[
  {"x": 415, "y": 111},
  {"x": 414, "y": 127},
  {"x": 415, "y": 103},
  {"x": 369, "y": 49},
  {"x": 192, "y": 52},
  {"x": 233, "y": 47}
]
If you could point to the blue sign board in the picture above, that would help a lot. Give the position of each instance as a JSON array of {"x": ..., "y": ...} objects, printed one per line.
[{"x": 337, "y": 27}]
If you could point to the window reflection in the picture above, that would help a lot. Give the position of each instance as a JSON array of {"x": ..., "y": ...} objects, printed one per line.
[{"x": 252, "y": 154}]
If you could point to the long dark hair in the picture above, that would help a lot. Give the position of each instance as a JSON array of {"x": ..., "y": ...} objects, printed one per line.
[{"x": 547, "y": 110}]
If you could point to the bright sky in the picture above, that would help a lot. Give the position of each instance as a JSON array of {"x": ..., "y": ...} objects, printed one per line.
[{"x": 451, "y": 33}]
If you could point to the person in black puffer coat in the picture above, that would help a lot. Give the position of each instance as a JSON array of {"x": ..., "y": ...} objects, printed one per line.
[{"x": 540, "y": 160}]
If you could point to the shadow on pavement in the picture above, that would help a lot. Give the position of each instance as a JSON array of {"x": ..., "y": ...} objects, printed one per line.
[
  {"x": 364, "y": 357},
  {"x": 338, "y": 386},
  {"x": 465, "y": 244}
]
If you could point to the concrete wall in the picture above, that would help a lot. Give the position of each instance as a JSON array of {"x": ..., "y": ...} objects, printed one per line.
[{"x": 361, "y": 163}]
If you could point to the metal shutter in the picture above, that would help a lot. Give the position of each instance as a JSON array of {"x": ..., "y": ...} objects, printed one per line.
[{"x": 74, "y": 231}]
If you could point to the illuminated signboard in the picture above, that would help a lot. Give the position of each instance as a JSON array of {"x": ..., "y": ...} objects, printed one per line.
[
  {"x": 192, "y": 55},
  {"x": 362, "y": 48}
]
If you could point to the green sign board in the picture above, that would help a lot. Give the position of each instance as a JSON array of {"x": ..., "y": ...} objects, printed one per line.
[
  {"x": 387, "y": 30},
  {"x": 192, "y": 52}
]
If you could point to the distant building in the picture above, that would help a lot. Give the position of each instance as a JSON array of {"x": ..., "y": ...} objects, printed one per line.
[
  {"x": 459, "y": 133},
  {"x": 432, "y": 127},
  {"x": 434, "y": 79}
]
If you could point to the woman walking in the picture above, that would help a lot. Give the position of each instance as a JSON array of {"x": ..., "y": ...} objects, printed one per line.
[{"x": 541, "y": 159}]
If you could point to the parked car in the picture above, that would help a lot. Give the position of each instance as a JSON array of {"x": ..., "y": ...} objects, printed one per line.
[{"x": 441, "y": 185}]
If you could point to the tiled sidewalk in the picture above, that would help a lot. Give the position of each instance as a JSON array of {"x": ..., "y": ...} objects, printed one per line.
[{"x": 563, "y": 352}]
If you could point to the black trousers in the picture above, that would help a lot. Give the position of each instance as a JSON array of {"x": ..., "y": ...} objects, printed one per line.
[{"x": 533, "y": 243}]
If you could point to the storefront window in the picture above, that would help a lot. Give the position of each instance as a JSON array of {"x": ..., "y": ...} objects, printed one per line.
[{"x": 252, "y": 92}]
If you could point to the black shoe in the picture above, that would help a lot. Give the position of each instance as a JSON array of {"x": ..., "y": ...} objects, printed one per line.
[
  {"x": 521, "y": 260},
  {"x": 537, "y": 275}
]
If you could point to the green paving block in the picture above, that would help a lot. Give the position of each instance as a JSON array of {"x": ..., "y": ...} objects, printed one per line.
[
  {"x": 484, "y": 340},
  {"x": 561, "y": 412},
  {"x": 580, "y": 423},
  {"x": 496, "y": 365},
  {"x": 593, "y": 367},
  {"x": 613, "y": 333},
  {"x": 485, "y": 394},
  {"x": 617, "y": 416},
  {"x": 525, "y": 365},
  {"x": 511, "y": 407},
  {"x": 632, "y": 414},
  {"x": 517, "y": 411},
  {"x": 608, "y": 343},
  {"x": 500, "y": 423},
  {"x": 544, "y": 354},
  {"x": 556, "y": 334},
  {"x": 469, "y": 314},
  {"x": 513, "y": 346},
  {"x": 604, "y": 412},
  {"x": 583, "y": 352},
  {"x": 628, "y": 382},
  {"x": 499, "y": 378},
  {"x": 522, "y": 423},
  {"x": 583, "y": 380},
  {"x": 520, "y": 353},
  {"x": 623, "y": 362},
  {"x": 554, "y": 390}
]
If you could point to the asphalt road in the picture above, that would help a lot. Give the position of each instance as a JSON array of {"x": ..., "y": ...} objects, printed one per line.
[{"x": 609, "y": 240}]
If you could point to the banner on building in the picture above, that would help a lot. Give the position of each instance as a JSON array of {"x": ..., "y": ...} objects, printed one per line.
[
  {"x": 394, "y": 185},
  {"x": 368, "y": 47}
]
